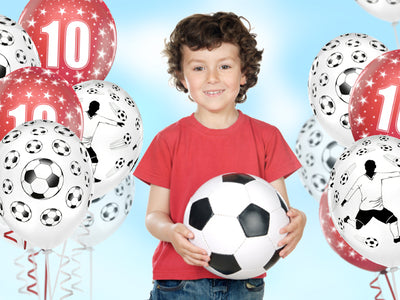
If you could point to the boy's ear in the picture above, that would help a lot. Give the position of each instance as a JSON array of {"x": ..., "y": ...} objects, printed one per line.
[
  {"x": 243, "y": 79},
  {"x": 181, "y": 78}
]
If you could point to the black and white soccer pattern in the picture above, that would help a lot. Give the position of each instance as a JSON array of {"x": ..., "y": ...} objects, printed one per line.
[
  {"x": 364, "y": 181},
  {"x": 46, "y": 182},
  {"x": 106, "y": 214},
  {"x": 113, "y": 130},
  {"x": 317, "y": 152},
  {"x": 333, "y": 74},
  {"x": 16, "y": 47},
  {"x": 236, "y": 218}
]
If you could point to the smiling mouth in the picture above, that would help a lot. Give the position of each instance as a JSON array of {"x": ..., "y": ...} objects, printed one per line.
[{"x": 213, "y": 93}]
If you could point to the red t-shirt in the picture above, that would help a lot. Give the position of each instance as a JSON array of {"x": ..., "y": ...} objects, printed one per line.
[{"x": 186, "y": 154}]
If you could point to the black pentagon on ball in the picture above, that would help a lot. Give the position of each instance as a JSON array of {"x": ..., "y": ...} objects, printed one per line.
[
  {"x": 53, "y": 180},
  {"x": 254, "y": 221},
  {"x": 273, "y": 260},
  {"x": 30, "y": 176},
  {"x": 283, "y": 203},
  {"x": 224, "y": 263},
  {"x": 237, "y": 178},
  {"x": 200, "y": 213}
]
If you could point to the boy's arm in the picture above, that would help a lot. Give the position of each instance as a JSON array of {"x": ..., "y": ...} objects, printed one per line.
[
  {"x": 160, "y": 225},
  {"x": 297, "y": 223}
]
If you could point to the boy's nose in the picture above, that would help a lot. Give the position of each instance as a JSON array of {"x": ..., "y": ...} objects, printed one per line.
[{"x": 213, "y": 76}]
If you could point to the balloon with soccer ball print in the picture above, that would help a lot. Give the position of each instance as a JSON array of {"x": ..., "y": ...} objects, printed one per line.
[
  {"x": 16, "y": 47},
  {"x": 236, "y": 218},
  {"x": 46, "y": 182},
  {"x": 77, "y": 39},
  {"x": 317, "y": 153},
  {"x": 387, "y": 10},
  {"x": 338, "y": 244},
  {"x": 32, "y": 93},
  {"x": 363, "y": 198},
  {"x": 106, "y": 214},
  {"x": 113, "y": 132},
  {"x": 375, "y": 99},
  {"x": 332, "y": 76}
]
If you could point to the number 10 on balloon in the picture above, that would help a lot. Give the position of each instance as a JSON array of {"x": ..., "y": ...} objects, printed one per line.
[
  {"x": 389, "y": 110},
  {"x": 21, "y": 114},
  {"x": 76, "y": 50}
]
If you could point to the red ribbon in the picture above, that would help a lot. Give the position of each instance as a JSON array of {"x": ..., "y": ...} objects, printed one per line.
[
  {"x": 379, "y": 288},
  {"x": 31, "y": 272}
]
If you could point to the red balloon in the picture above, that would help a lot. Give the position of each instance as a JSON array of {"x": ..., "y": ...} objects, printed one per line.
[
  {"x": 78, "y": 38},
  {"x": 375, "y": 98},
  {"x": 32, "y": 93},
  {"x": 338, "y": 244}
]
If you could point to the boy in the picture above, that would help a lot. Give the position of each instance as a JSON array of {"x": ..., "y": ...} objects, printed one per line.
[{"x": 214, "y": 59}]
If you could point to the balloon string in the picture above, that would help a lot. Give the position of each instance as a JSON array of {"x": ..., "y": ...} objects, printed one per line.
[
  {"x": 60, "y": 266},
  {"x": 394, "y": 24},
  {"x": 67, "y": 276},
  {"x": 76, "y": 252},
  {"x": 19, "y": 277},
  {"x": 390, "y": 286},
  {"x": 392, "y": 270},
  {"x": 32, "y": 273}
]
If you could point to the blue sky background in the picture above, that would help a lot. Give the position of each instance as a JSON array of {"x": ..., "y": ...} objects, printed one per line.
[{"x": 291, "y": 34}]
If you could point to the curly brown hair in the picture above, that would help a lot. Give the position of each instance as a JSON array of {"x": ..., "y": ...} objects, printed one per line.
[{"x": 201, "y": 31}]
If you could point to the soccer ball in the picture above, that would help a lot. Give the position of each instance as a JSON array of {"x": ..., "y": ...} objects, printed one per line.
[
  {"x": 345, "y": 81},
  {"x": 42, "y": 178},
  {"x": 236, "y": 218}
]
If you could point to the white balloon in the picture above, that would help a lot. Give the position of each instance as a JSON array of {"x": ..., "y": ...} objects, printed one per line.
[
  {"x": 317, "y": 153},
  {"x": 333, "y": 74},
  {"x": 46, "y": 179},
  {"x": 106, "y": 214},
  {"x": 112, "y": 133},
  {"x": 16, "y": 47},
  {"x": 387, "y": 10},
  {"x": 363, "y": 198}
]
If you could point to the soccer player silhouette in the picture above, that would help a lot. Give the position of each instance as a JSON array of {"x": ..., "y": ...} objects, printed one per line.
[
  {"x": 94, "y": 120},
  {"x": 371, "y": 206}
]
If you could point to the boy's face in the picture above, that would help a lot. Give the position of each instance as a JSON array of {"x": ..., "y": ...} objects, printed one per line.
[{"x": 213, "y": 77}]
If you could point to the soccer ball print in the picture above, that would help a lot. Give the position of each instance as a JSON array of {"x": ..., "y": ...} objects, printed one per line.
[
  {"x": 388, "y": 10},
  {"x": 46, "y": 182},
  {"x": 106, "y": 214},
  {"x": 236, "y": 218},
  {"x": 363, "y": 198},
  {"x": 113, "y": 132},
  {"x": 332, "y": 75},
  {"x": 16, "y": 47},
  {"x": 317, "y": 153}
]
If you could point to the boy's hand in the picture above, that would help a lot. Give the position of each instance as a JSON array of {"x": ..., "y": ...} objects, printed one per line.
[
  {"x": 191, "y": 254},
  {"x": 294, "y": 231}
]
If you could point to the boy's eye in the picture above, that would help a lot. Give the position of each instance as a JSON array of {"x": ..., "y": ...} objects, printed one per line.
[
  {"x": 198, "y": 68},
  {"x": 224, "y": 67}
]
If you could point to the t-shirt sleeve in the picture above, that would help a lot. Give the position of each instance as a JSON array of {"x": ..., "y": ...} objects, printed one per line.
[
  {"x": 280, "y": 161},
  {"x": 155, "y": 165}
]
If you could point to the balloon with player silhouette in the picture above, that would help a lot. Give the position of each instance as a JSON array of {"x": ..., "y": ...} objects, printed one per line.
[
  {"x": 113, "y": 132},
  {"x": 338, "y": 244},
  {"x": 363, "y": 194}
]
